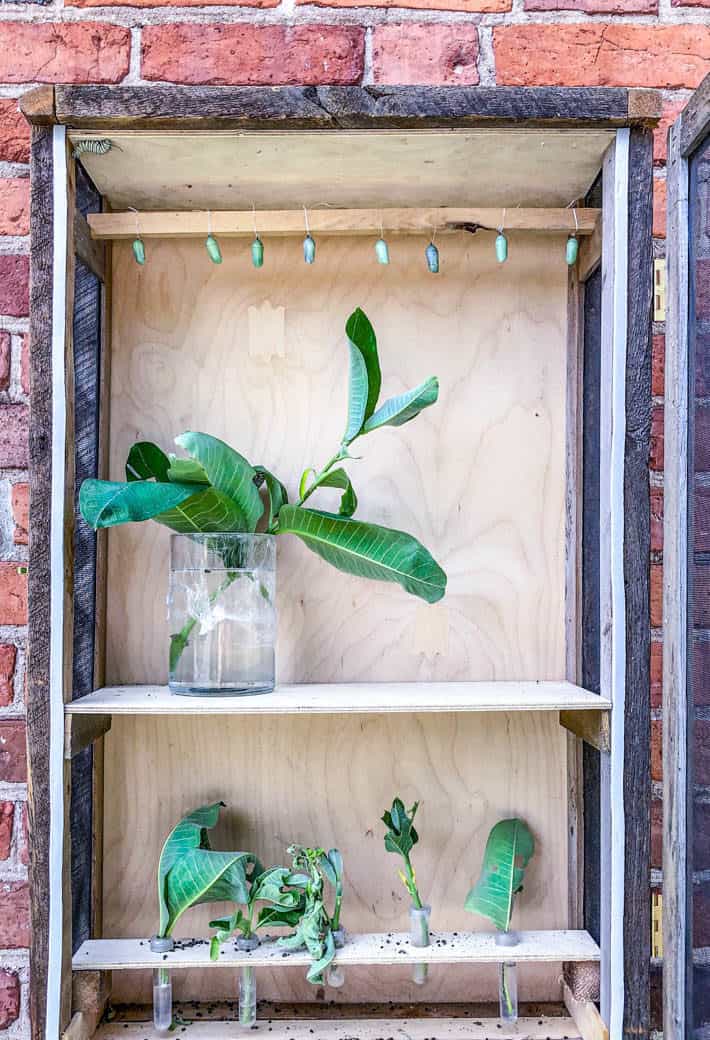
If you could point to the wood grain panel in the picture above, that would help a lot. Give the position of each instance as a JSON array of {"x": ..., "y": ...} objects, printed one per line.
[
  {"x": 479, "y": 478},
  {"x": 327, "y": 780}
]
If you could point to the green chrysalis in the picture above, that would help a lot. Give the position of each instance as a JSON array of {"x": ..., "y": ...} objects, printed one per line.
[
  {"x": 309, "y": 250},
  {"x": 501, "y": 248},
  {"x": 572, "y": 251},
  {"x": 139, "y": 250},
  {"x": 257, "y": 252},
  {"x": 382, "y": 251},
  {"x": 432, "y": 258},
  {"x": 213, "y": 250}
]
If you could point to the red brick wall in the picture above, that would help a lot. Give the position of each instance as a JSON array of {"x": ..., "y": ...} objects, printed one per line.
[{"x": 653, "y": 43}]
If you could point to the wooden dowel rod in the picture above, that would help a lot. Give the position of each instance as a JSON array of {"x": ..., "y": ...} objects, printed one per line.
[{"x": 336, "y": 222}]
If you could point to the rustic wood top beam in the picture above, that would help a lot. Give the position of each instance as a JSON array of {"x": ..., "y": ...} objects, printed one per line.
[{"x": 164, "y": 107}]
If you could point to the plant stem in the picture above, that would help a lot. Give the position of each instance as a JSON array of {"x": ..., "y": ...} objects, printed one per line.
[
  {"x": 341, "y": 454},
  {"x": 506, "y": 993},
  {"x": 413, "y": 890},
  {"x": 179, "y": 641}
]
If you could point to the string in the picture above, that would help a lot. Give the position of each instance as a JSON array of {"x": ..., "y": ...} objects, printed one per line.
[
  {"x": 209, "y": 223},
  {"x": 502, "y": 223},
  {"x": 138, "y": 227},
  {"x": 253, "y": 216},
  {"x": 305, "y": 217}
]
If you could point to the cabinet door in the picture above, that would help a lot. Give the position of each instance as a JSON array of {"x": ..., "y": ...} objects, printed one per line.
[{"x": 686, "y": 693}]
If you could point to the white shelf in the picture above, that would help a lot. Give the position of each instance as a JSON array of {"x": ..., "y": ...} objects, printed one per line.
[
  {"x": 356, "y": 1029},
  {"x": 367, "y": 948},
  {"x": 346, "y": 698}
]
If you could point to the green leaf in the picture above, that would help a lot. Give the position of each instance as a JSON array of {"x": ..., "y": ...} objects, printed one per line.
[
  {"x": 360, "y": 332},
  {"x": 338, "y": 478},
  {"x": 509, "y": 848},
  {"x": 357, "y": 394},
  {"x": 399, "y": 410},
  {"x": 190, "y": 833},
  {"x": 186, "y": 471},
  {"x": 401, "y": 836},
  {"x": 367, "y": 550},
  {"x": 279, "y": 916},
  {"x": 203, "y": 876},
  {"x": 106, "y": 503},
  {"x": 209, "y": 512},
  {"x": 147, "y": 461},
  {"x": 278, "y": 495},
  {"x": 228, "y": 472}
]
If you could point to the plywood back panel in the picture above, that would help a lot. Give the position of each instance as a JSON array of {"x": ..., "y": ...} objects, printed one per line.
[
  {"x": 327, "y": 780},
  {"x": 259, "y": 358},
  {"x": 479, "y": 478}
]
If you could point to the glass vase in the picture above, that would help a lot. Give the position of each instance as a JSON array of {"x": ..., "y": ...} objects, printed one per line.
[
  {"x": 162, "y": 988},
  {"x": 222, "y": 613},
  {"x": 419, "y": 936},
  {"x": 508, "y": 980}
]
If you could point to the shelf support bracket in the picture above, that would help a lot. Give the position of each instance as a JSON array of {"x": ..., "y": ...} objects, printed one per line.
[
  {"x": 582, "y": 1008},
  {"x": 590, "y": 726},
  {"x": 82, "y": 730}
]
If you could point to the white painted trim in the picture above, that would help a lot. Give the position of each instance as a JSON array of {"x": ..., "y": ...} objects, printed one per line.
[
  {"x": 611, "y": 564},
  {"x": 56, "y": 660},
  {"x": 675, "y": 596}
]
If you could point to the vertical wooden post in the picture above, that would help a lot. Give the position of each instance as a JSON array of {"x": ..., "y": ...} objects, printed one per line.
[{"x": 675, "y": 606}]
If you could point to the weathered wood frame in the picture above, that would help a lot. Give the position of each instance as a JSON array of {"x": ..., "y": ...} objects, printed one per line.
[
  {"x": 686, "y": 134},
  {"x": 626, "y": 260}
]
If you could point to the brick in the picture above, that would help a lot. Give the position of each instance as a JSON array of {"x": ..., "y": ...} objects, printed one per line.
[
  {"x": 656, "y": 595},
  {"x": 9, "y": 998},
  {"x": 8, "y": 660},
  {"x": 657, "y": 439},
  {"x": 25, "y": 363},
  {"x": 172, "y": 3},
  {"x": 252, "y": 54},
  {"x": 471, "y": 6},
  {"x": 690, "y": 3},
  {"x": 13, "y": 594},
  {"x": 656, "y": 833},
  {"x": 15, "y": 284},
  {"x": 428, "y": 53},
  {"x": 7, "y": 815},
  {"x": 669, "y": 113},
  {"x": 659, "y": 207},
  {"x": 21, "y": 513},
  {"x": 63, "y": 52},
  {"x": 701, "y": 519},
  {"x": 13, "y": 754},
  {"x": 701, "y": 439},
  {"x": 15, "y": 206},
  {"x": 14, "y": 915},
  {"x": 656, "y": 673},
  {"x": 656, "y": 751},
  {"x": 596, "y": 54},
  {"x": 14, "y": 133},
  {"x": 5, "y": 359},
  {"x": 701, "y": 673},
  {"x": 595, "y": 6},
  {"x": 658, "y": 365},
  {"x": 701, "y": 751},
  {"x": 14, "y": 436},
  {"x": 656, "y": 519}
]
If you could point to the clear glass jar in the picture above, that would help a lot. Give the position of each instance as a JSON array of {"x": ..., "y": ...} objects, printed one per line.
[
  {"x": 419, "y": 936},
  {"x": 222, "y": 613},
  {"x": 162, "y": 987},
  {"x": 508, "y": 980}
]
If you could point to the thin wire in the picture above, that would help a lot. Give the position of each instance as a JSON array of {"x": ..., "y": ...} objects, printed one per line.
[
  {"x": 305, "y": 217},
  {"x": 209, "y": 223},
  {"x": 502, "y": 223},
  {"x": 138, "y": 227},
  {"x": 576, "y": 222},
  {"x": 253, "y": 215}
]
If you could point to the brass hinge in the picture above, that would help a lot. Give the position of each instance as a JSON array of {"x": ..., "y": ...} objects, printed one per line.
[
  {"x": 659, "y": 290},
  {"x": 656, "y": 925}
]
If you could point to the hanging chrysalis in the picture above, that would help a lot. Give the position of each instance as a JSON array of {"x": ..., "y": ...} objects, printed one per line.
[
  {"x": 213, "y": 250},
  {"x": 501, "y": 248},
  {"x": 257, "y": 252},
  {"x": 382, "y": 251},
  {"x": 139, "y": 250},
  {"x": 432, "y": 258},
  {"x": 572, "y": 251},
  {"x": 309, "y": 250}
]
